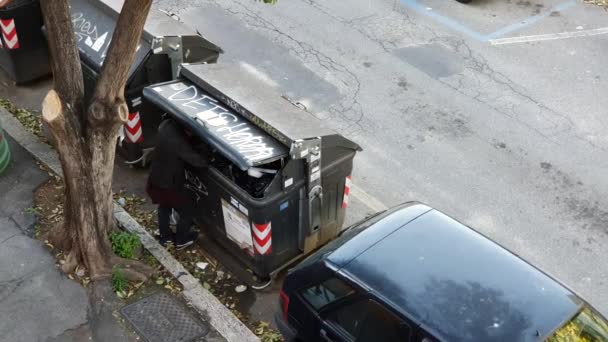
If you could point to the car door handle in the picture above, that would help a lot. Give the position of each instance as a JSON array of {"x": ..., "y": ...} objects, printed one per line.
[{"x": 323, "y": 334}]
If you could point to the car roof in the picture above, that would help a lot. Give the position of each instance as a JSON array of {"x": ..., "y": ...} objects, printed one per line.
[{"x": 453, "y": 281}]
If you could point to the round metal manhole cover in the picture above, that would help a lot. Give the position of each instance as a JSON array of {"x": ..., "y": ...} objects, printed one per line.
[{"x": 161, "y": 318}]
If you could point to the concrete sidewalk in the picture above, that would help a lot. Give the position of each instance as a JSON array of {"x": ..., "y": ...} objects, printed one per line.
[{"x": 37, "y": 301}]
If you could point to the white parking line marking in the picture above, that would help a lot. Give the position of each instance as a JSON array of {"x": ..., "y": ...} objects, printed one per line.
[
  {"x": 367, "y": 199},
  {"x": 551, "y": 36}
]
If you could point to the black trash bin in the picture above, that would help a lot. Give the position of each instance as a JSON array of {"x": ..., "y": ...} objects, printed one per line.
[
  {"x": 165, "y": 44},
  {"x": 279, "y": 182},
  {"x": 23, "y": 48}
]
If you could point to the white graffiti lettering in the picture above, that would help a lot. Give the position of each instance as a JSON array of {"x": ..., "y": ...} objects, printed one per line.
[
  {"x": 86, "y": 31},
  {"x": 194, "y": 184},
  {"x": 235, "y": 131},
  {"x": 202, "y": 101},
  {"x": 175, "y": 97}
]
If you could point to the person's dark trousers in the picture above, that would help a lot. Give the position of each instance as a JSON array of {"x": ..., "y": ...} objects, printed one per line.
[
  {"x": 164, "y": 216},
  {"x": 186, "y": 218}
]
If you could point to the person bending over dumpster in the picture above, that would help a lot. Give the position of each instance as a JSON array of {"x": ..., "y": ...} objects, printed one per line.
[{"x": 167, "y": 179}]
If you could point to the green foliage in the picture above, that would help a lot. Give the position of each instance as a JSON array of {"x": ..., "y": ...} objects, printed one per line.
[
  {"x": 28, "y": 119},
  {"x": 124, "y": 244},
  {"x": 587, "y": 326},
  {"x": 37, "y": 230},
  {"x": 267, "y": 334},
  {"x": 119, "y": 280},
  {"x": 32, "y": 211},
  {"x": 272, "y": 2}
]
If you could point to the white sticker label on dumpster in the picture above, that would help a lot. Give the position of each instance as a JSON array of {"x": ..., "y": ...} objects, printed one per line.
[
  {"x": 237, "y": 226},
  {"x": 234, "y": 202}
]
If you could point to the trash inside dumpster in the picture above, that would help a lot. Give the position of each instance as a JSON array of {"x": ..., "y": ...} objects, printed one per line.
[
  {"x": 165, "y": 44},
  {"x": 23, "y": 48},
  {"x": 278, "y": 185}
]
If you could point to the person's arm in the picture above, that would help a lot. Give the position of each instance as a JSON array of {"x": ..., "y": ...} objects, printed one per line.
[
  {"x": 186, "y": 152},
  {"x": 191, "y": 156},
  {"x": 174, "y": 136}
]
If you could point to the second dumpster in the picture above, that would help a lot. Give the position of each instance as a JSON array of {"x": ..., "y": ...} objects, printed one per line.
[
  {"x": 23, "y": 48},
  {"x": 165, "y": 44},
  {"x": 279, "y": 182}
]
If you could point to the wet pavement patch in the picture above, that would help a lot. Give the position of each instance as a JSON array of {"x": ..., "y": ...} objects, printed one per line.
[{"x": 161, "y": 318}]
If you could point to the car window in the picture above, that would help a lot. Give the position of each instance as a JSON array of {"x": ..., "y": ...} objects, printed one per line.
[
  {"x": 327, "y": 292},
  {"x": 586, "y": 326},
  {"x": 368, "y": 321}
]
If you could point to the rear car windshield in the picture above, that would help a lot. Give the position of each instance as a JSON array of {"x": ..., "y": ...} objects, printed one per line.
[{"x": 586, "y": 326}]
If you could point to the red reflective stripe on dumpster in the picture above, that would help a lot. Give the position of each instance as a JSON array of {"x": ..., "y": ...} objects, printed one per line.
[
  {"x": 9, "y": 33},
  {"x": 347, "y": 185},
  {"x": 133, "y": 129},
  {"x": 262, "y": 238}
]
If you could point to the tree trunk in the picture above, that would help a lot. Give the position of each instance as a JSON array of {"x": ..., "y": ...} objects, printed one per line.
[{"x": 86, "y": 137}]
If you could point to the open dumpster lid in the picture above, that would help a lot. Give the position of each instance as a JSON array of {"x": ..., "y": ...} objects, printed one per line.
[
  {"x": 237, "y": 139},
  {"x": 241, "y": 89},
  {"x": 94, "y": 22}
]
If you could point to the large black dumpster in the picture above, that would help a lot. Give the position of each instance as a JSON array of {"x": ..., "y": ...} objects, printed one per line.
[
  {"x": 278, "y": 185},
  {"x": 165, "y": 44},
  {"x": 23, "y": 48}
]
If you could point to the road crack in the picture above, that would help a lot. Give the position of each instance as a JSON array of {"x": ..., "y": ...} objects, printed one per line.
[{"x": 348, "y": 110}]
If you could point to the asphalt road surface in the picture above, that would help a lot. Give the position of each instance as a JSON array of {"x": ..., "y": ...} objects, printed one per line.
[{"x": 493, "y": 112}]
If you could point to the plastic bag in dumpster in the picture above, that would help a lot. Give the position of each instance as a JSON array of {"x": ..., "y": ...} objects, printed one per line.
[
  {"x": 23, "y": 48},
  {"x": 277, "y": 186},
  {"x": 254, "y": 183},
  {"x": 165, "y": 43}
]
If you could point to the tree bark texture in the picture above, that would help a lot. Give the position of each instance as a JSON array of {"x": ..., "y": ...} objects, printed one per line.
[{"x": 86, "y": 136}]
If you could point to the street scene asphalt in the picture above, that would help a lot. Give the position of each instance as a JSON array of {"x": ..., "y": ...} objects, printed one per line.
[{"x": 492, "y": 112}]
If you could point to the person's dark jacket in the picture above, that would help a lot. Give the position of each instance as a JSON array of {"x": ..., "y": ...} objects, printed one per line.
[{"x": 173, "y": 151}]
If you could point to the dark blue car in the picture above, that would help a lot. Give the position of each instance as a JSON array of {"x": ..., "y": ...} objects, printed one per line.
[{"x": 414, "y": 274}]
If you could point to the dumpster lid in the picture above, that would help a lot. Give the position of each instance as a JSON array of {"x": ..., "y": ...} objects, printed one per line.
[
  {"x": 159, "y": 24},
  {"x": 94, "y": 22},
  {"x": 237, "y": 139},
  {"x": 240, "y": 88}
]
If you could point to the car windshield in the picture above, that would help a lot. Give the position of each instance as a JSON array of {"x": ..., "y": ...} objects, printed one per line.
[
  {"x": 586, "y": 326},
  {"x": 346, "y": 235}
]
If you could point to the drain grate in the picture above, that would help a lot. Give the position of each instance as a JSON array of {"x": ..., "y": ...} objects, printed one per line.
[{"x": 160, "y": 318}]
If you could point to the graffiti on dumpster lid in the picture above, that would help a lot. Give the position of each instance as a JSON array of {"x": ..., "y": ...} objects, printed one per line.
[
  {"x": 87, "y": 31},
  {"x": 93, "y": 30},
  {"x": 250, "y": 141}
]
